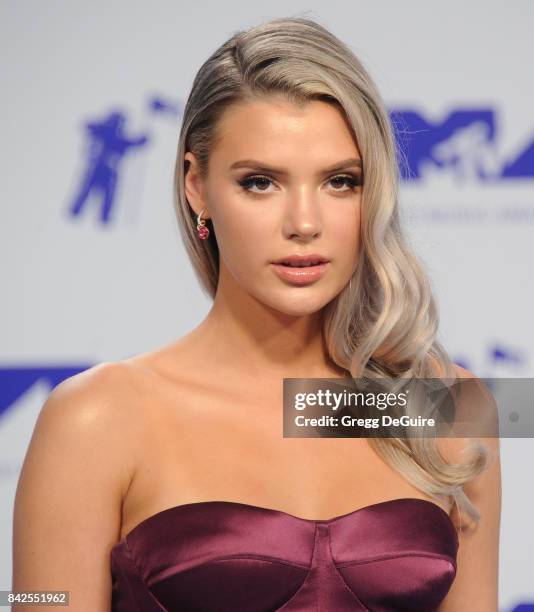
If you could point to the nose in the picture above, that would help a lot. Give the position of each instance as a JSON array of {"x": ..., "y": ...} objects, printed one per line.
[{"x": 303, "y": 218}]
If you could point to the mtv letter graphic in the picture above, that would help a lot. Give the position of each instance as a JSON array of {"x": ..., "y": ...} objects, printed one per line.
[{"x": 465, "y": 144}]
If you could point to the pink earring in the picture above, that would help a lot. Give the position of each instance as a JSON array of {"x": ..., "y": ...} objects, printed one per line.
[{"x": 203, "y": 231}]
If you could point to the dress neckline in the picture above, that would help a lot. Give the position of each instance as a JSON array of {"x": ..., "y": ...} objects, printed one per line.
[{"x": 236, "y": 505}]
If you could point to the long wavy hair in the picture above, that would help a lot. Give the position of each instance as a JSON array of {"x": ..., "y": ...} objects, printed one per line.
[{"x": 385, "y": 321}]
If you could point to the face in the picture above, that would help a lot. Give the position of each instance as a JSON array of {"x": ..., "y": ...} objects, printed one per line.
[{"x": 282, "y": 181}]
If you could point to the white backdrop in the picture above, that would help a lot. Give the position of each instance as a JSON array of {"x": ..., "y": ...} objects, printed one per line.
[{"x": 78, "y": 290}]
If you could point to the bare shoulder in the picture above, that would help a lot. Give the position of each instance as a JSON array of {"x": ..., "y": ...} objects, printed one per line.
[
  {"x": 475, "y": 404},
  {"x": 94, "y": 405},
  {"x": 480, "y": 405},
  {"x": 77, "y": 467},
  {"x": 476, "y": 583}
]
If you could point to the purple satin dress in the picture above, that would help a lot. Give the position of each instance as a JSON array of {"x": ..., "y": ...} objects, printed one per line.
[{"x": 221, "y": 556}]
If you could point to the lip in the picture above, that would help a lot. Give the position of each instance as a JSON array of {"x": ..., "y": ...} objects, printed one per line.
[
  {"x": 301, "y": 275},
  {"x": 297, "y": 259}
]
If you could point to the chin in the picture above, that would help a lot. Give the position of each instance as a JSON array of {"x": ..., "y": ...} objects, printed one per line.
[{"x": 299, "y": 307}]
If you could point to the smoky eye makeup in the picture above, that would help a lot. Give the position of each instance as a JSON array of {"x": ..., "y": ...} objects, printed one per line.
[
  {"x": 352, "y": 180},
  {"x": 254, "y": 180}
]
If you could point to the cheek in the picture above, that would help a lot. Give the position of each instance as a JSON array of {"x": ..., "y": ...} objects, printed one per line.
[
  {"x": 241, "y": 238},
  {"x": 346, "y": 234}
]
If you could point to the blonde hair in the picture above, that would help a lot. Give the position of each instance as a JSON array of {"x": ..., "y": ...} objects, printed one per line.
[{"x": 385, "y": 321}]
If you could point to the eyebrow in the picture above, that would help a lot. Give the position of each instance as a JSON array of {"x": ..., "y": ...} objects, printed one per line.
[{"x": 261, "y": 167}]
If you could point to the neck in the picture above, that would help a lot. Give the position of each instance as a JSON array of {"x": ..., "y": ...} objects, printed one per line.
[{"x": 245, "y": 334}]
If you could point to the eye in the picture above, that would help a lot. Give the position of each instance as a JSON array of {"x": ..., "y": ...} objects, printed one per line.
[
  {"x": 250, "y": 181},
  {"x": 353, "y": 181},
  {"x": 262, "y": 182}
]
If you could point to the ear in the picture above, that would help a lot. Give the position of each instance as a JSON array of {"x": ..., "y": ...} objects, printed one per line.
[{"x": 193, "y": 185}]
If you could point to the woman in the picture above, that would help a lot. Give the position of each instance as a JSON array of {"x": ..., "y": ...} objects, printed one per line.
[{"x": 164, "y": 481}]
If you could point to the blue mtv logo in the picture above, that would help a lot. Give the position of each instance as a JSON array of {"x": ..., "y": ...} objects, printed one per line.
[
  {"x": 109, "y": 145},
  {"x": 464, "y": 144}
]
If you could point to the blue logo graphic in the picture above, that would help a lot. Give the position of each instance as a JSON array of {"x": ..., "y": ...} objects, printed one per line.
[
  {"x": 157, "y": 105},
  {"x": 108, "y": 145},
  {"x": 496, "y": 357},
  {"x": 465, "y": 144}
]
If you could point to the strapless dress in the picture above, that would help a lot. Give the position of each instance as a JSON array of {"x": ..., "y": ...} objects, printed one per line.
[{"x": 222, "y": 556}]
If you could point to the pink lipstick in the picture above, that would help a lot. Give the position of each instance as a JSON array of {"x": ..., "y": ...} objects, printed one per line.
[{"x": 301, "y": 269}]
